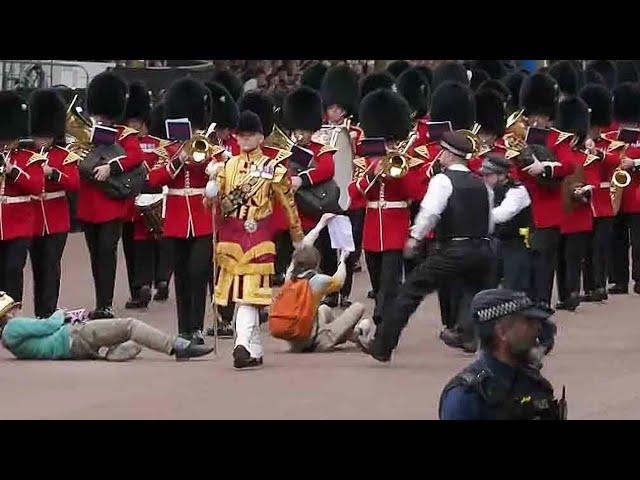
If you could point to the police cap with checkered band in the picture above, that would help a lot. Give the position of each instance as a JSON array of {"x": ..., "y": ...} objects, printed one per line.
[{"x": 491, "y": 305}]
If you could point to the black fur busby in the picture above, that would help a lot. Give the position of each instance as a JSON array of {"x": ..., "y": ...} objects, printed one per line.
[
  {"x": 340, "y": 87},
  {"x": 376, "y": 80},
  {"x": 626, "y": 103},
  {"x": 312, "y": 75},
  {"x": 414, "y": 87},
  {"x": 47, "y": 114},
  {"x": 627, "y": 71},
  {"x": 494, "y": 68},
  {"x": 138, "y": 103},
  {"x": 539, "y": 95},
  {"x": 14, "y": 116},
  {"x": 573, "y": 116},
  {"x": 478, "y": 77},
  {"x": 427, "y": 72},
  {"x": 454, "y": 102},
  {"x": 224, "y": 110},
  {"x": 262, "y": 105},
  {"x": 450, "y": 72},
  {"x": 396, "y": 67},
  {"x": 591, "y": 75},
  {"x": 385, "y": 113},
  {"x": 490, "y": 111},
  {"x": 607, "y": 69},
  {"x": 189, "y": 98},
  {"x": 565, "y": 74},
  {"x": 598, "y": 98},
  {"x": 302, "y": 109},
  {"x": 107, "y": 95},
  {"x": 496, "y": 86},
  {"x": 157, "y": 116},
  {"x": 513, "y": 82},
  {"x": 249, "y": 122},
  {"x": 231, "y": 82}
]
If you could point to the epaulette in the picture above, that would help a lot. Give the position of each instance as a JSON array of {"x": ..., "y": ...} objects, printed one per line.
[
  {"x": 614, "y": 145},
  {"x": 590, "y": 158},
  {"x": 70, "y": 158},
  {"x": 327, "y": 148},
  {"x": 484, "y": 150},
  {"x": 414, "y": 162},
  {"x": 126, "y": 131},
  {"x": 360, "y": 163},
  {"x": 562, "y": 136},
  {"x": 280, "y": 153},
  {"x": 423, "y": 151},
  {"x": 509, "y": 154},
  {"x": 35, "y": 158}
]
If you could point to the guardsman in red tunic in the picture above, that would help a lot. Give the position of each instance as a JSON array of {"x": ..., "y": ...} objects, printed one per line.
[
  {"x": 385, "y": 114},
  {"x": 50, "y": 207},
  {"x": 577, "y": 219},
  {"x": 491, "y": 116},
  {"x": 188, "y": 222},
  {"x": 626, "y": 115},
  {"x": 302, "y": 110},
  {"x": 21, "y": 178},
  {"x": 101, "y": 215},
  {"x": 340, "y": 94},
  {"x": 599, "y": 173}
]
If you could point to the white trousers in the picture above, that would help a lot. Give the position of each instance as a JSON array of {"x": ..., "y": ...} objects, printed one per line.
[{"x": 247, "y": 329}]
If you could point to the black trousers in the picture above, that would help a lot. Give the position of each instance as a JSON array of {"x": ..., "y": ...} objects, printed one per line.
[
  {"x": 626, "y": 231},
  {"x": 544, "y": 258},
  {"x": 152, "y": 262},
  {"x": 328, "y": 256},
  {"x": 192, "y": 261},
  {"x": 514, "y": 265},
  {"x": 284, "y": 250},
  {"x": 597, "y": 259},
  {"x": 467, "y": 261},
  {"x": 357, "y": 224},
  {"x": 129, "y": 248},
  {"x": 572, "y": 251},
  {"x": 386, "y": 269},
  {"x": 13, "y": 257},
  {"x": 102, "y": 241},
  {"x": 46, "y": 254}
]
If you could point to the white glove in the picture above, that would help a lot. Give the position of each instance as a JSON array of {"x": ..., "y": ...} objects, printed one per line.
[
  {"x": 213, "y": 168},
  {"x": 536, "y": 168},
  {"x": 211, "y": 190}
]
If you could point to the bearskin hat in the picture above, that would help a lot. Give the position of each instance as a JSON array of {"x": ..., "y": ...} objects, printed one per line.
[
  {"x": 539, "y": 95},
  {"x": 454, "y": 102},
  {"x": 598, "y": 98},
  {"x": 262, "y": 105},
  {"x": 189, "y": 98},
  {"x": 590, "y": 75},
  {"x": 107, "y": 95},
  {"x": 573, "y": 116},
  {"x": 340, "y": 87},
  {"x": 138, "y": 103},
  {"x": 494, "y": 68},
  {"x": 627, "y": 71},
  {"x": 157, "y": 116},
  {"x": 385, "y": 113},
  {"x": 626, "y": 103},
  {"x": 376, "y": 80},
  {"x": 513, "y": 82},
  {"x": 396, "y": 67},
  {"x": 312, "y": 76},
  {"x": 250, "y": 122},
  {"x": 414, "y": 87},
  {"x": 478, "y": 77},
  {"x": 490, "y": 111},
  {"x": 224, "y": 111},
  {"x": 450, "y": 72},
  {"x": 47, "y": 114},
  {"x": 231, "y": 82},
  {"x": 498, "y": 87},
  {"x": 565, "y": 74},
  {"x": 607, "y": 69},
  {"x": 14, "y": 116},
  {"x": 427, "y": 72},
  {"x": 302, "y": 109}
]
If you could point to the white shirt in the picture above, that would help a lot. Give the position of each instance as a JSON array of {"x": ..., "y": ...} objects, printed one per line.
[
  {"x": 516, "y": 200},
  {"x": 435, "y": 201}
]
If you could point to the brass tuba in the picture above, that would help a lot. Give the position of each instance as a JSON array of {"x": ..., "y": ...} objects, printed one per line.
[
  {"x": 516, "y": 131},
  {"x": 77, "y": 128}
]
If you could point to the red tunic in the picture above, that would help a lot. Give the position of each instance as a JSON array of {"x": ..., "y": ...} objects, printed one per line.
[
  {"x": 630, "y": 194},
  {"x": 580, "y": 218}
]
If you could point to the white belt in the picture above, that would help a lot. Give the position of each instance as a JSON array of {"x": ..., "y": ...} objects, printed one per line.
[
  {"x": 186, "y": 192},
  {"x": 50, "y": 195},
  {"x": 384, "y": 204},
  {"x": 605, "y": 184},
  {"x": 22, "y": 199}
]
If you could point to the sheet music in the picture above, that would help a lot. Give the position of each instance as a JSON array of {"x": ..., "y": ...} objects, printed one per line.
[{"x": 341, "y": 233}]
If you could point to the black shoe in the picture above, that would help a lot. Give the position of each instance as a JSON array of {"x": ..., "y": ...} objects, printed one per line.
[
  {"x": 572, "y": 303},
  {"x": 451, "y": 338},
  {"x": 602, "y": 294},
  {"x": 618, "y": 289},
  {"x": 162, "y": 292},
  {"x": 377, "y": 350},
  {"x": 101, "y": 313},
  {"x": 192, "y": 351},
  {"x": 197, "y": 338},
  {"x": 224, "y": 330},
  {"x": 591, "y": 296},
  {"x": 278, "y": 280},
  {"x": 371, "y": 294},
  {"x": 331, "y": 300},
  {"x": 243, "y": 359},
  {"x": 470, "y": 347},
  {"x": 345, "y": 302},
  {"x": 142, "y": 300},
  {"x": 561, "y": 306}
]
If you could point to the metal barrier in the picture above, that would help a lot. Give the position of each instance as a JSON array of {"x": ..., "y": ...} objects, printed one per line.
[{"x": 41, "y": 74}]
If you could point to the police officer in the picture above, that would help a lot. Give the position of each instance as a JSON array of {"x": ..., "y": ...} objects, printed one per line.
[{"x": 501, "y": 383}]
